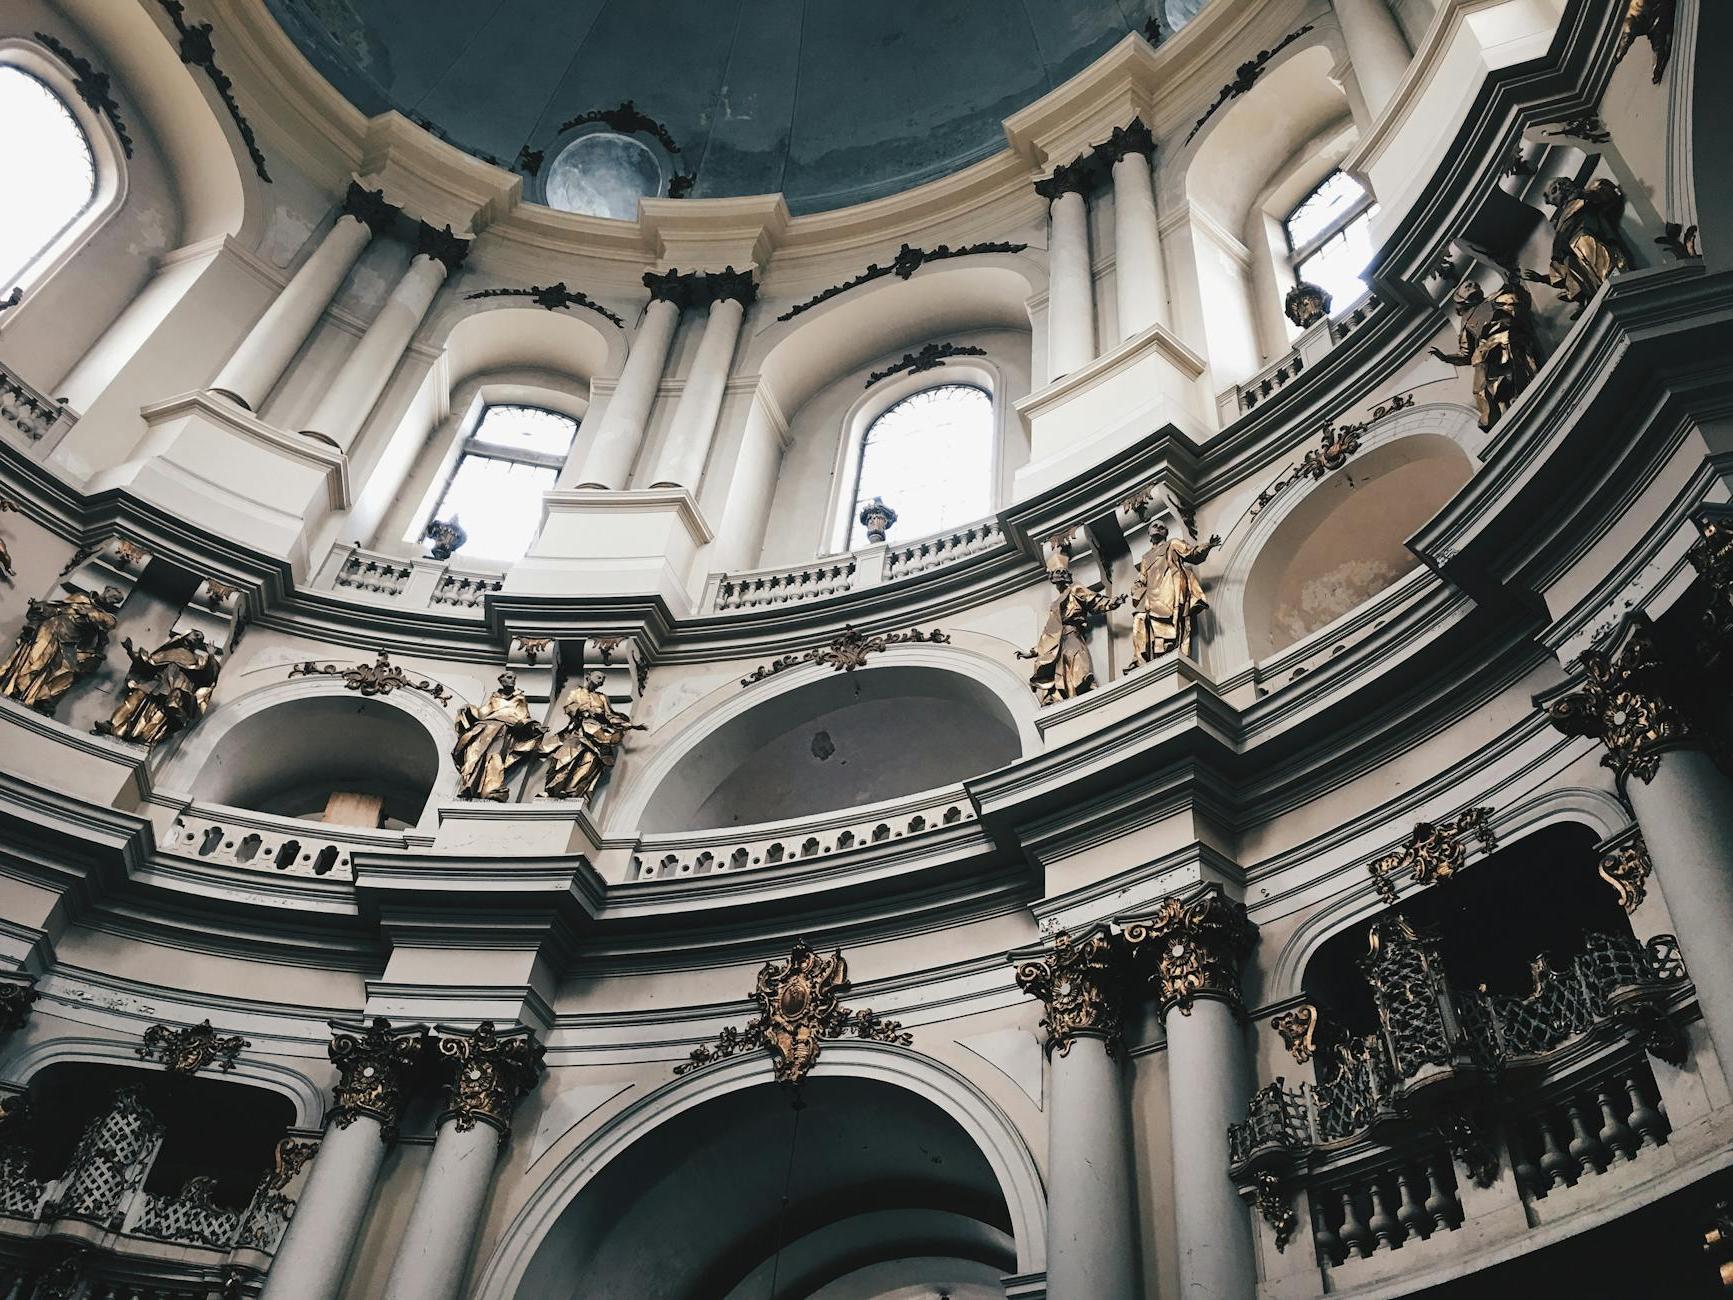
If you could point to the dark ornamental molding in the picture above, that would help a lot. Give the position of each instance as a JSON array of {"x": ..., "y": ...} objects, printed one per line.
[
  {"x": 848, "y": 650},
  {"x": 1245, "y": 77},
  {"x": 907, "y": 261},
  {"x": 930, "y": 357},
  {"x": 441, "y": 245},
  {"x": 701, "y": 288},
  {"x": 17, "y": 995},
  {"x": 372, "y": 1061},
  {"x": 1299, "y": 1031},
  {"x": 92, "y": 87},
  {"x": 370, "y": 208},
  {"x": 1086, "y": 171},
  {"x": 490, "y": 1072},
  {"x": 1083, "y": 984},
  {"x": 10, "y": 301},
  {"x": 197, "y": 49},
  {"x": 1435, "y": 851},
  {"x": 552, "y": 298},
  {"x": 1197, "y": 944},
  {"x": 380, "y": 677},
  {"x": 626, "y": 118},
  {"x": 1626, "y": 703},
  {"x": 187, "y": 1051}
]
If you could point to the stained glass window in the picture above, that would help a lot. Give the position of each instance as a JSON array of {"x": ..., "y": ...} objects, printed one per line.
[
  {"x": 513, "y": 455},
  {"x": 47, "y": 155},
  {"x": 931, "y": 458}
]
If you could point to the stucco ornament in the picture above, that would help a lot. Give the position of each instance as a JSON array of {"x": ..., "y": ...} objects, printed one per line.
[
  {"x": 168, "y": 689},
  {"x": 490, "y": 1073},
  {"x": 1624, "y": 703},
  {"x": 1198, "y": 944},
  {"x": 1587, "y": 249},
  {"x": 587, "y": 747},
  {"x": 1063, "y": 666},
  {"x": 372, "y": 1060},
  {"x": 1435, "y": 851},
  {"x": 189, "y": 1050},
  {"x": 1626, "y": 868},
  {"x": 17, "y": 996},
  {"x": 1496, "y": 337},
  {"x": 1083, "y": 983},
  {"x": 60, "y": 642},
  {"x": 1712, "y": 556},
  {"x": 1167, "y": 597},
  {"x": 1299, "y": 1031},
  {"x": 493, "y": 739},
  {"x": 380, "y": 677},
  {"x": 1307, "y": 304}
]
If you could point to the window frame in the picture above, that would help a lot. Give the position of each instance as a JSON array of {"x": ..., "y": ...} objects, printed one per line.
[
  {"x": 466, "y": 445},
  {"x": 1298, "y": 256}
]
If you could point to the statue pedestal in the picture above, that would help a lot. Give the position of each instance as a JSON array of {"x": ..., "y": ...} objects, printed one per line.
[{"x": 594, "y": 542}]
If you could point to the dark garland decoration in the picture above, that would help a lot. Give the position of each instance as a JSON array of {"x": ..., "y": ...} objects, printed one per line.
[
  {"x": 1245, "y": 77},
  {"x": 627, "y": 119},
  {"x": 907, "y": 261},
  {"x": 12, "y": 299},
  {"x": 92, "y": 87},
  {"x": 551, "y": 298},
  {"x": 198, "y": 50},
  {"x": 930, "y": 357}
]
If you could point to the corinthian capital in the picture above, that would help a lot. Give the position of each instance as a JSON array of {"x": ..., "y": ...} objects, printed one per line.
[
  {"x": 1712, "y": 556},
  {"x": 1197, "y": 944},
  {"x": 372, "y": 1060},
  {"x": 1082, "y": 981},
  {"x": 1628, "y": 702},
  {"x": 490, "y": 1072}
]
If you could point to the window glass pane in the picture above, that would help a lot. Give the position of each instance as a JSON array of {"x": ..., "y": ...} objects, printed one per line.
[
  {"x": 499, "y": 504},
  {"x": 1335, "y": 197},
  {"x": 931, "y": 458},
  {"x": 47, "y": 161},
  {"x": 603, "y": 175},
  {"x": 526, "y": 428},
  {"x": 1339, "y": 262}
]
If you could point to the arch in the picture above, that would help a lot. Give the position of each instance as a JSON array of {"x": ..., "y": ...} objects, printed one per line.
[
  {"x": 1000, "y": 1143},
  {"x": 961, "y": 676},
  {"x": 493, "y": 336}
]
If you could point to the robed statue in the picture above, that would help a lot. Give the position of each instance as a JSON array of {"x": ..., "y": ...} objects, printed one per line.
[
  {"x": 588, "y": 745},
  {"x": 167, "y": 690},
  {"x": 493, "y": 739},
  {"x": 1586, "y": 245},
  {"x": 1063, "y": 667},
  {"x": 61, "y": 641},
  {"x": 1167, "y": 597},
  {"x": 1496, "y": 337}
]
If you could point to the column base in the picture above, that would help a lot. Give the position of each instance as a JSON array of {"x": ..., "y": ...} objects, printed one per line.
[{"x": 600, "y": 543}]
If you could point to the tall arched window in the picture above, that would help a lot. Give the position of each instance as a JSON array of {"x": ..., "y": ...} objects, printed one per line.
[
  {"x": 47, "y": 156},
  {"x": 1330, "y": 238},
  {"x": 930, "y": 457},
  {"x": 509, "y": 459}
]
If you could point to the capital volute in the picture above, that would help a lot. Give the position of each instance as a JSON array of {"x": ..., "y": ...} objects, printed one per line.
[
  {"x": 373, "y": 1061},
  {"x": 1127, "y": 140},
  {"x": 1196, "y": 944},
  {"x": 1076, "y": 177},
  {"x": 1082, "y": 981},
  {"x": 1627, "y": 700},
  {"x": 370, "y": 208},
  {"x": 490, "y": 1072}
]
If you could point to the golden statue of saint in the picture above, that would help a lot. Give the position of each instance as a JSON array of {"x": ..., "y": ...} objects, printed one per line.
[
  {"x": 167, "y": 690},
  {"x": 61, "y": 641},
  {"x": 588, "y": 744},
  {"x": 1063, "y": 668},
  {"x": 1167, "y": 596},
  {"x": 1586, "y": 247},
  {"x": 493, "y": 739},
  {"x": 1496, "y": 337}
]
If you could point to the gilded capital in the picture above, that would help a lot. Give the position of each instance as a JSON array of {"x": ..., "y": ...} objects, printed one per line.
[
  {"x": 372, "y": 1061},
  {"x": 490, "y": 1072},
  {"x": 1197, "y": 945},
  {"x": 1624, "y": 702},
  {"x": 1083, "y": 983}
]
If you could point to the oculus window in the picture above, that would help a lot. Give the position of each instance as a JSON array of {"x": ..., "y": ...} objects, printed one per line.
[
  {"x": 604, "y": 174},
  {"x": 1330, "y": 238},
  {"x": 510, "y": 458},
  {"x": 930, "y": 457},
  {"x": 44, "y": 148}
]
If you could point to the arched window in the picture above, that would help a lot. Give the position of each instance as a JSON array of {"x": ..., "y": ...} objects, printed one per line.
[
  {"x": 48, "y": 157},
  {"x": 930, "y": 457},
  {"x": 1330, "y": 238},
  {"x": 509, "y": 459}
]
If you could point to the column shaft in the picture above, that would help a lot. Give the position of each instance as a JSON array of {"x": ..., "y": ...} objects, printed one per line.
[
  {"x": 1139, "y": 277},
  {"x": 434, "y": 1254},
  {"x": 1375, "y": 48},
  {"x": 1207, "y": 1077},
  {"x": 314, "y": 1256},
  {"x": 620, "y": 436},
  {"x": 1091, "y": 1227},
  {"x": 681, "y": 463},
  {"x": 1070, "y": 287}
]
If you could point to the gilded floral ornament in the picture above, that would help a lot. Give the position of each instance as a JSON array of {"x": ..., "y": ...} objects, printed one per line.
[
  {"x": 1712, "y": 556},
  {"x": 490, "y": 1072},
  {"x": 1435, "y": 851},
  {"x": 1198, "y": 944},
  {"x": 848, "y": 650},
  {"x": 1277, "y": 1210},
  {"x": 1299, "y": 1030},
  {"x": 380, "y": 677},
  {"x": 1083, "y": 982},
  {"x": 372, "y": 1060},
  {"x": 1623, "y": 703},
  {"x": 189, "y": 1050},
  {"x": 290, "y": 1157},
  {"x": 1626, "y": 868},
  {"x": 799, "y": 1007}
]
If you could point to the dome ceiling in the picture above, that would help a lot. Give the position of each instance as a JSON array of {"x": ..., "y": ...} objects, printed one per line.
[{"x": 829, "y": 103}]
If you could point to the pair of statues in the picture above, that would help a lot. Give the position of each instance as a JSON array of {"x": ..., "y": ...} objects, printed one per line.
[
  {"x": 497, "y": 737},
  {"x": 1166, "y": 600}
]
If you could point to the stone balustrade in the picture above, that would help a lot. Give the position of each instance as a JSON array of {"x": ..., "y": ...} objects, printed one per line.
[
  {"x": 271, "y": 845},
  {"x": 907, "y": 559},
  {"x": 791, "y": 586},
  {"x": 1312, "y": 347},
  {"x": 410, "y": 584},
  {"x": 30, "y": 416}
]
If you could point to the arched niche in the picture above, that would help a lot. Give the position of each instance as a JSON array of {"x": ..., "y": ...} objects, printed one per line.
[{"x": 827, "y": 741}]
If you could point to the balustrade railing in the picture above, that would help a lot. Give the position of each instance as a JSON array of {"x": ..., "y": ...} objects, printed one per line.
[
  {"x": 27, "y": 413},
  {"x": 815, "y": 581},
  {"x": 906, "y": 559},
  {"x": 411, "y": 584},
  {"x": 271, "y": 846},
  {"x": 1312, "y": 347}
]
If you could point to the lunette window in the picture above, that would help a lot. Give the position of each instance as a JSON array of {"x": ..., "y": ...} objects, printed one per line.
[
  {"x": 1330, "y": 238},
  {"x": 930, "y": 457},
  {"x": 45, "y": 150},
  {"x": 511, "y": 457}
]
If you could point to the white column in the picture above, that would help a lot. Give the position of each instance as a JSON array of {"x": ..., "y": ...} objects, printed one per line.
[
  {"x": 614, "y": 449},
  {"x": 1070, "y": 285},
  {"x": 681, "y": 463},
  {"x": 350, "y": 398},
  {"x": 1091, "y": 1232},
  {"x": 314, "y": 1256},
  {"x": 1375, "y": 48},
  {"x": 1139, "y": 277},
  {"x": 253, "y": 371},
  {"x": 434, "y": 1253}
]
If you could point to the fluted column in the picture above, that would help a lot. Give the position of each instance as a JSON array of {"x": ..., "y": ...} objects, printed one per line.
[
  {"x": 253, "y": 371},
  {"x": 490, "y": 1071},
  {"x": 1375, "y": 48},
  {"x": 371, "y": 1060},
  {"x": 1070, "y": 280},
  {"x": 1091, "y": 1226},
  {"x": 350, "y": 398},
  {"x": 1194, "y": 946},
  {"x": 614, "y": 449},
  {"x": 681, "y": 463},
  {"x": 1140, "y": 280}
]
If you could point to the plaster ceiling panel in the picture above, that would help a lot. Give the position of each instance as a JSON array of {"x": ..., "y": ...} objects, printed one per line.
[{"x": 748, "y": 145}]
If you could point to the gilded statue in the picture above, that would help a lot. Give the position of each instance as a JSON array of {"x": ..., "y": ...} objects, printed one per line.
[
  {"x": 1586, "y": 246},
  {"x": 1496, "y": 337},
  {"x": 168, "y": 689},
  {"x": 494, "y": 739},
  {"x": 1063, "y": 668},
  {"x": 1167, "y": 597},
  {"x": 587, "y": 746},
  {"x": 61, "y": 641}
]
